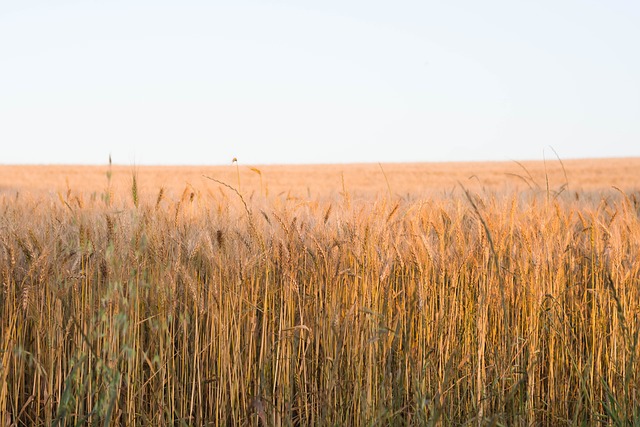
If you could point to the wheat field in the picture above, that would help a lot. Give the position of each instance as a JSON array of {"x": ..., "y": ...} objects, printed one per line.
[{"x": 475, "y": 294}]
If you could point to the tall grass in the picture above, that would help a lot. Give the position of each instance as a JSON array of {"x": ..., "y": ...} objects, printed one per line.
[{"x": 210, "y": 309}]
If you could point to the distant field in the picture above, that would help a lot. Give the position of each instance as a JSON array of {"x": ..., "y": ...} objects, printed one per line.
[
  {"x": 418, "y": 294},
  {"x": 362, "y": 180}
]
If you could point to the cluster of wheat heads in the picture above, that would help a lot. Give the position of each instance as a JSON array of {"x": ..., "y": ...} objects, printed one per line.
[{"x": 209, "y": 309}]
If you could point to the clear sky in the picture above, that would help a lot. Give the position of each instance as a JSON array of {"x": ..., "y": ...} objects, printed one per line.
[{"x": 201, "y": 82}]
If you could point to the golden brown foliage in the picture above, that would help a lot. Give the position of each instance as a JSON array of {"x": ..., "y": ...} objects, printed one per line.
[{"x": 209, "y": 307}]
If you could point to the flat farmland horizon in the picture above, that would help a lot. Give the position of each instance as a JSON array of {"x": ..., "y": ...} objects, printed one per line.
[{"x": 328, "y": 180}]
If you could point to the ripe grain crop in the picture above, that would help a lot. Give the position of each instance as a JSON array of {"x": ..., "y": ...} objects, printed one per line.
[{"x": 224, "y": 307}]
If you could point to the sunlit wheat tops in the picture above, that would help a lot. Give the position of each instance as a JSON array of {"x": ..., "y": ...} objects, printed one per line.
[{"x": 234, "y": 306}]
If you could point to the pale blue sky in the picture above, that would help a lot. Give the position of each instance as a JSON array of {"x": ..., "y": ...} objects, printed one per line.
[{"x": 195, "y": 82}]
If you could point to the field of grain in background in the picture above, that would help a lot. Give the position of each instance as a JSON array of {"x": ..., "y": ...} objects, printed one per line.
[{"x": 492, "y": 294}]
